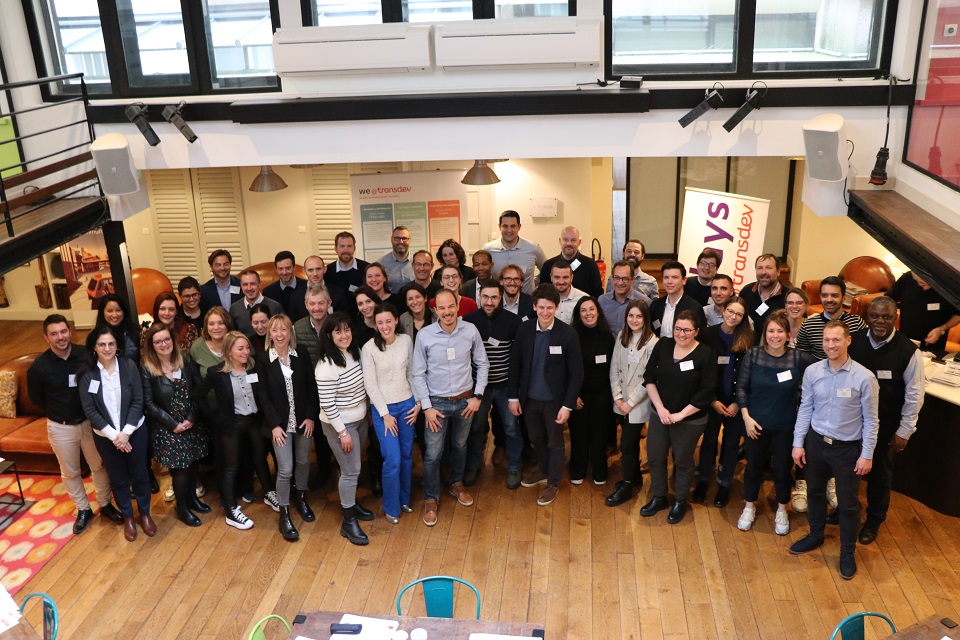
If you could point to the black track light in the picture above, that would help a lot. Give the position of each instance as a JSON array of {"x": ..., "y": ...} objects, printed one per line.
[
  {"x": 137, "y": 114},
  {"x": 753, "y": 100},
  {"x": 713, "y": 99},
  {"x": 172, "y": 114}
]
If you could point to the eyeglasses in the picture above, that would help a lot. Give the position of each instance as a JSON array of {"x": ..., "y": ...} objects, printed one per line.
[
  {"x": 735, "y": 314},
  {"x": 190, "y": 296},
  {"x": 509, "y": 279},
  {"x": 450, "y": 276},
  {"x": 405, "y": 240},
  {"x": 162, "y": 341},
  {"x": 707, "y": 265},
  {"x": 622, "y": 278},
  {"x": 683, "y": 330},
  {"x": 486, "y": 298}
]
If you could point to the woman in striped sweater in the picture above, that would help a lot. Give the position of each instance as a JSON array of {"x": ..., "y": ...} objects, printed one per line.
[{"x": 343, "y": 415}]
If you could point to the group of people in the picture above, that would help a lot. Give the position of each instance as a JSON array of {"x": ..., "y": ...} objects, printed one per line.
[{"x": 398, "y": 354}]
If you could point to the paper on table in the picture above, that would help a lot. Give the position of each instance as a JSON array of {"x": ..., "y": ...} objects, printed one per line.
[
  {"x": 373, "y": 628},
  {"x": 9, "y": 611}
]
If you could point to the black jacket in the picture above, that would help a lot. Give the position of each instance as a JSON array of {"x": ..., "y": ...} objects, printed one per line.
[
  {"x": 711, "y": 337},
  {"x": 525, "y": 306},
  {"x": 131, "y": 396},
  {"x": 294, "y": 306},
  {"x": 209, "y": 297},
  {"x": 223, "y": 415},
  {"x": 158, "y": 395},
  {"x": 563, "y": 371},
  {"x": 685, "y": 302},
  {"x": 305, "y": 401}
]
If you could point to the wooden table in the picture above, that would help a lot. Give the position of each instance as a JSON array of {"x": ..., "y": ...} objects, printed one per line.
[
  {"x": 930, "y": 629},
  {"x": 317, "y": 626}
]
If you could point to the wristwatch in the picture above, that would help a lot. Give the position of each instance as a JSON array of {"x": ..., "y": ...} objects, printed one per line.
[{"x": 478, "y": 396}]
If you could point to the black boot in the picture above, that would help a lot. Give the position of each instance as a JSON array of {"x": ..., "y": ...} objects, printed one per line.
[
  {"x": 186, "y": 516},
  {"x": 287, "y": 529},
  {"x": 350, "y": 529},
  {"x": 656, "y": 504},
  {"x": 196, "y": 505},
  {"x": 621, "y": 494},
  {"x": 363, "y": 514},
  {"x": 299, "y": 499}
]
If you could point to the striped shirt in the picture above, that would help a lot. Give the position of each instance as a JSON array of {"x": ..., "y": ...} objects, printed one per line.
[
  {"x": 810, "y": 338},
  {"x": 497, "y": 332},
  {"x": 342, "y": 394}
]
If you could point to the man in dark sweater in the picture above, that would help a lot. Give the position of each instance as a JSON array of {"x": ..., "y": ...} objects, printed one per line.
[
  {"x": 347, "y": 273},
  {"x": 697, "y": 285},
  {"x": 586, "y": 273},
  {"x": 925, "y": 315},
  {"x": 286, "y": 289},
  {"x": 898, "y": 365},
  {"x": 664, "y": 310},
  {"x": 546, "y": 372},
  {"x": 497, "y": 328},
  {"x": 767, "y": 293}
]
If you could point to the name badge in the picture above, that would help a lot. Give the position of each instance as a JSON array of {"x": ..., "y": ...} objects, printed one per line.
[
  {"x": 286, "y": 371},
  {"x": 885, "y": 375},
  {"x": 94, "y": 386},
  {"x": 556, "y": 350},
  {"x": 762, "y": 309},
  {"x": 844, "y": 393},
  {"x": 723, "y": 359},
  {"x": 252, "y": 377},
  {"x": 524, "y": 319},
  {"x": 451, "y": 353},
  {"x": 493, "y": 342},
  {"x": 656, "y": 324},
  {"x": 177, "y": 374},
  {"x": 686, "y": 365},
  {"x": 784, "y": 376},
  {"x": 933, "y": 306},
  {"x": 234, "y": 290},
  {"x": 72, "y": 380},
  {"x": 633, "y": 358},
  {"x": 575, "y": 264},
  {"x": 352, "y": 288},
  {"x": 601, "y": 359}
]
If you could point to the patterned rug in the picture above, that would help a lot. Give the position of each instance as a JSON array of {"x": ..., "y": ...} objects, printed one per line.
[{"x": 35, "y": 532}]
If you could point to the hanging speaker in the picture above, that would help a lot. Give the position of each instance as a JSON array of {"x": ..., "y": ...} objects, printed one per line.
[
  {"x": 824, "y": 141},
  {"x": 111, "y": 155}
]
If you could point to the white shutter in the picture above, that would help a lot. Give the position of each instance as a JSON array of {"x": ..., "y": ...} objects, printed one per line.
[
  {"x": 330, "y": 204},
  {"x": 380, "y": 167},
  {"x": 171, "y": 198},
  {"x": 219, "y": 205}
]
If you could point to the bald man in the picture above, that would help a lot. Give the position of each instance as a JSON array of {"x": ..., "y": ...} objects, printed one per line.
[
  {"x": 586, "y": 274},
  {"x": 314, "y": 267}
]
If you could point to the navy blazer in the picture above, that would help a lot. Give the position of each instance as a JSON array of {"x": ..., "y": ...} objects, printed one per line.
[
  {"x": 209, "y": 297},
  {"x": 525, "y": 306},
  {"x": 296, "y": 308},
  {"x": 223, "y": 416},
  {"x": 306, "y": 403},
  {"x": 563, "y": 371},
  {"x": 158, "y": 395},
  {"x": 131, "y": 396}
]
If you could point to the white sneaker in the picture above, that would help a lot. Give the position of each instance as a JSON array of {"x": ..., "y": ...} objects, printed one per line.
[
  {"x": 168, "y": 494},
  {"x": 799, "y": 497},
  {"x": 271, "y": 500},
  {"x": 832, "y": 492},
  {"x": 201, "y": 491},
  {"x": 578, "y": 481},
  {"x": 782, "y": 527},
  {"x": 235, "y": 518},
  {"x": 745, "y": 523}
]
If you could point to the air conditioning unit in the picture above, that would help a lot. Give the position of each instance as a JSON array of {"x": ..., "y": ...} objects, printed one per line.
[
  {"x": 522, "y": 43},
  {"x": 378, "y": 48}
]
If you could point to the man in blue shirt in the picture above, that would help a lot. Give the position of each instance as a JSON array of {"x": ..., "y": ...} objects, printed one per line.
[
  {"x": 223, "y": 289},
  {"x": 614, "y": 304},
  {"x": 443, "y": 358},
  {"x": 397, "y": 261},
  {"x": 835, "y": 436}
]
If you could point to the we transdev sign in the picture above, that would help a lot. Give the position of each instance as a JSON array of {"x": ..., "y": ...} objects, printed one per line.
[{"x": 733, "y": 225}]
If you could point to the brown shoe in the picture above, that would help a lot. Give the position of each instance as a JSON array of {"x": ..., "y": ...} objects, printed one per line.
[
  {"x": 148, "y": 525},
  {"x": 458, "y": 492},
  {"x": 129, "y": 529},
  {"x": 430, "y": 508},
  {"x": 499, "y": 457},
  {"x": 548, "y": 495}
]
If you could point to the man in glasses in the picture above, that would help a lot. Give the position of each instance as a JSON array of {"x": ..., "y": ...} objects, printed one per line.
[
  {"x": 514, "y": 299},
  {"x": 397, "y": 262},
  {"x": 634, "y": 252},
  {"x": 451, "y": 280},
  {"x": 615, "y": 303},
  {"x": 697, "y": 285},
  {"x": 898, "y": 365}
]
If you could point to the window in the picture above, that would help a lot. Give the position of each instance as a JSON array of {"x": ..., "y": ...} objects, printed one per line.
[
  {"x": 135, "y": 48},
  {"x": 749, "y": 39},
  {"x": 509, "y": 9},
  {"x": 436, "y": 10},
  {"x": 334, "y": 13}
]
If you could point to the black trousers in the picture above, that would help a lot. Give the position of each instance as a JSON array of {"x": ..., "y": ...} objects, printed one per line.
[
  {"x": 733, "y": 431},
  {"x": 682, "y": 437},
  {"x": 880, "y": 478},
  {"x": 630, "y": 437},
  {"x": 128, "y": 472},
  {"x": 245, "y": 429},
  {"x": 825, "y": 461},
  {"x": 588, "y": 435},
  {"x": 546, "y": 436},
  {"x": 779, "y": 444}
]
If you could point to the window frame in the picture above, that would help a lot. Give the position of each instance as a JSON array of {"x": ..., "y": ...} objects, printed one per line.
[
  {"x": 198, "y": 55},
  {"x": 392, "y": 10},
  {"x": 745, "y": 22}
]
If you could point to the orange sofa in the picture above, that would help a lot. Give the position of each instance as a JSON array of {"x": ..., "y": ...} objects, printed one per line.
[{"x": 24, "y": 439}]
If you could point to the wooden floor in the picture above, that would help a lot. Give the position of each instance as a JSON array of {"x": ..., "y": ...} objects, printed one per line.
[{"x": 581, "y": 569}]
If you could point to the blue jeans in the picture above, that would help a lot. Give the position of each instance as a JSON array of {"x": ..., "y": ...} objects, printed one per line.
[
  {"x": 496, "y": 397},
  {"x": 459, "y": 428},
  {"x": 397, "y": 453}
]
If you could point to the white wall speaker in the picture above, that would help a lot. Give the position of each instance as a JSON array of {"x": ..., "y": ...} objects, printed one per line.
[
  {"x": 114, "y": 162},
  {"x": 824, "y": 141}
]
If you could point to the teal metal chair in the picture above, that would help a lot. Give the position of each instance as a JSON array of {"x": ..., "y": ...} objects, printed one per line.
[
  {"x": 851, "y": 627},
  {"x": 257, "y": 632},
  {"x": 438, "y": 595},
  {"x": 51, "y": 617}
]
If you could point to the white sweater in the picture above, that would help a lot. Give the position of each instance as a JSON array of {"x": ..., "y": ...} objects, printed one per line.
[{"x": 386, "y": 374}]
